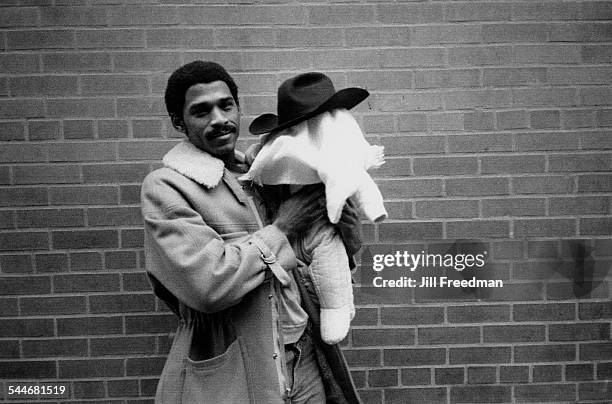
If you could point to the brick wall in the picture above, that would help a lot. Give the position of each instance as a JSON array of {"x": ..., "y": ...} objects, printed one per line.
[{"x": 496, "y": 118}]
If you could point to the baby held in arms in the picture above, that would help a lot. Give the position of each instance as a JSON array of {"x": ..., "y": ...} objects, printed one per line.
[{"x": 322, "y": 145}]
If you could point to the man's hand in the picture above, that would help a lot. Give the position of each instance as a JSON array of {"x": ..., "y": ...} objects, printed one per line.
[
  {"x": 301, "y": 210},
  {"x": 348, "y": 225}
]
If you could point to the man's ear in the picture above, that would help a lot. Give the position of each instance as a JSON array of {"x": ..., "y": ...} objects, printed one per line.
[{"x": 178, "y": 123}]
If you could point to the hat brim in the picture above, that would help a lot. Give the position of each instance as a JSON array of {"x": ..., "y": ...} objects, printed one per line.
[{"x": 346, "y": 98}]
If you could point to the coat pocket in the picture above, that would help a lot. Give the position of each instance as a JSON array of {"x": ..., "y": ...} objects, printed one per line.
[{"x": 221, "y": 379}]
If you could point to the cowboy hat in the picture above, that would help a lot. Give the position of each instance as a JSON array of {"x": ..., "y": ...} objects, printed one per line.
[{"x": 304, "y": 96}]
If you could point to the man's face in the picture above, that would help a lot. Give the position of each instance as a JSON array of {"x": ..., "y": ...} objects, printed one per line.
[{"x": 211, "y": 118}]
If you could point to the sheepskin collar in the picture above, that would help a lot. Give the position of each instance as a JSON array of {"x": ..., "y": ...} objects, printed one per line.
[{"x": 196, "y": 164}]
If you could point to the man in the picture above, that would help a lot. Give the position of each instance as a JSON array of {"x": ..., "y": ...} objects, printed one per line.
[{"x": 243, "y": 335}]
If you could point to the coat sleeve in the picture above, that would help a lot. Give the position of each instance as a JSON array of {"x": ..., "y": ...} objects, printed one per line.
[{"x": 191, "y": 259}]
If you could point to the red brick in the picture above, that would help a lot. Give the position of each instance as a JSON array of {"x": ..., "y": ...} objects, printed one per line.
[
  {"x": 479, "y": 355},
  {"x": 449, "y": 375},
  {"x": 89, "y": 368},
  {"x": 514, "y": 333},
  {"x": 410, "y": 188},
  {"x": 52, "y": 305},
  {"x": 148, "y": 128},
  {"x": 84, "y": 195},
  {"x": 76, "y": 62},
  {"x": 40, "y": 39},
  {"x": 485, "y": 98},
  {"x": 25, "y": 285},
  {"x": 383, "y": 337},
  {"x": 596, "y": 226},
  {"x": 445, "y": 122},
  {"x": 114, "y": 216},
  {"x": 414, "y": 357},
  {"x": 337, "y": 59},
  {"x": 121, "y": 303},
  {"x": 112, "y": 173},
  {"x": 544, "y": 227},
  {"x": 142, "y": 15},
  {"x": 54, "y": 347},
  {"x": 448, "y": 335},
  {"x": 43, "y": 85},
  {"x": 476, "y": 186},
  {"x": 597, "y": 10},
  {"x": 364, "y": 316},
  {"x": 412, "y": 144},
  {"x": 481, "y": 394},
  {"x": 481, "y": 375},
  {"x": 547, "y": 141},
  {"x": 446, "y": 34}
]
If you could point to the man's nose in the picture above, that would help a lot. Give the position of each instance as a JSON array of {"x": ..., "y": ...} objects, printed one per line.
[{"x": 217, "y": 117}]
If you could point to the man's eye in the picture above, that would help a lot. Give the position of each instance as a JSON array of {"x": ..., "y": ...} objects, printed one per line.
[{"x": 228, "y": 107}]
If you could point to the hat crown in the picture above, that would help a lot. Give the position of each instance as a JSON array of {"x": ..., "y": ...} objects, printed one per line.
[{"x": 303, "y": 94}]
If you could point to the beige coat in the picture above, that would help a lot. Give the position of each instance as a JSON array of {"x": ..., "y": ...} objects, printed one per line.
[{"x": 209, "y": 260}]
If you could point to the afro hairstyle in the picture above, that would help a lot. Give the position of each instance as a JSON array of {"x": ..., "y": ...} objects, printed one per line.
[{"x": 192, "y": 73}]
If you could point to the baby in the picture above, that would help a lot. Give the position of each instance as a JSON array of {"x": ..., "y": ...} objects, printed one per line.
[{"x": 314, "y": 140}]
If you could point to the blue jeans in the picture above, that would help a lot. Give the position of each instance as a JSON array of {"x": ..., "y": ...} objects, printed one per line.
[{"x": 303, "y": 373}]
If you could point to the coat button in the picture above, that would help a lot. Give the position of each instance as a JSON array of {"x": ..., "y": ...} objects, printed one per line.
[
  {"x": 275, "y": 355},
  {"x": 269, "y": 296}
]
